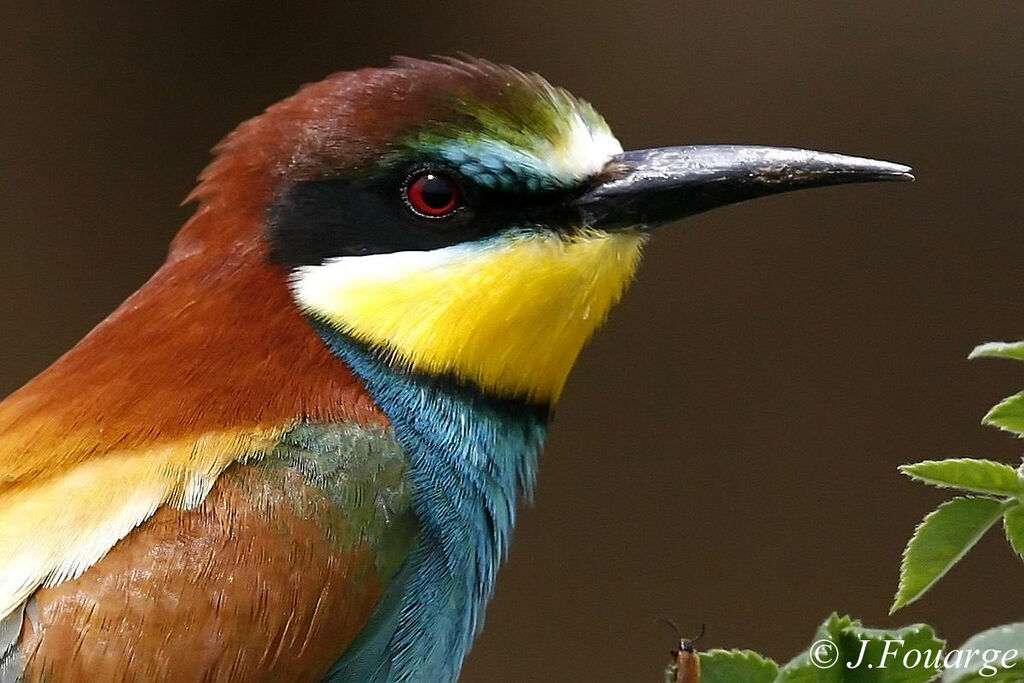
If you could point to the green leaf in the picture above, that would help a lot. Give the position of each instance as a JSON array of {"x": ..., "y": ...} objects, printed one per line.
[
  {"x": 729, "y": 666},
  {"x": 846, "y": 652},
  {"x": 939, "y": 542},
  {"x": 1014, "y": 350},
  {"x": 979, "y": 476},
  {"x": 880, "y": 656},
  {"x": 1013, "y": 525},
  {"x": 1008, "y": 414},
  {"x": 1007, "y": 665},
  {"x": 801, "y": 669}
]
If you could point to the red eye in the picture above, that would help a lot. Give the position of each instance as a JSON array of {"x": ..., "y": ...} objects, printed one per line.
[{"x": 433, "y": 194}]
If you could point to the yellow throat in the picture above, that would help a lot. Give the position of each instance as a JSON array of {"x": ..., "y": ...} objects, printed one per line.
[{"x": 510, "y": 314}]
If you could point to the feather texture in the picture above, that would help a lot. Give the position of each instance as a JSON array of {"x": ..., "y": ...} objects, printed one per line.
[
  {"x": 267, "y": 579},
  {"x": 470, "y": 457},
  {"x": 509, "y": 315}
]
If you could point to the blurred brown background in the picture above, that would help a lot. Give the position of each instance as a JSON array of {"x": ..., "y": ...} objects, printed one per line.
[{"x": 726, "y": 451}]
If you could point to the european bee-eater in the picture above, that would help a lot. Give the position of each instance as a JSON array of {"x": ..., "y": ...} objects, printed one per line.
[{"x": 294, "y": 453}]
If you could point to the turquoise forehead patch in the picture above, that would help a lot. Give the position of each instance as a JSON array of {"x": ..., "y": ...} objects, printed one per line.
[
  {"x": 495, "y": 164},
  {"x": 540, "y": 139}
]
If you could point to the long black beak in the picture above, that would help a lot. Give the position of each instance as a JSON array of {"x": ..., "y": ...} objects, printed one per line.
[{"x": 646, "y": 188}]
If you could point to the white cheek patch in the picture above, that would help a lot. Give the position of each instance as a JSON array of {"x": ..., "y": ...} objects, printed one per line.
[{"x": 317, "y": 288}]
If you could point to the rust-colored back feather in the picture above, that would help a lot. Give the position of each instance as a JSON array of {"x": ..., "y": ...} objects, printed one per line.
[
  {"x": 245, "y": 587},
  {"x": 190, "y": 353}
]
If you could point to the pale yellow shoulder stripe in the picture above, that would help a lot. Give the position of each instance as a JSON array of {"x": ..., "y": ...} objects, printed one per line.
[{"x": 53, "y": 529}]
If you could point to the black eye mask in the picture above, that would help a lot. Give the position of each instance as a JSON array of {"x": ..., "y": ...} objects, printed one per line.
[{"x": 312, "y": 221}]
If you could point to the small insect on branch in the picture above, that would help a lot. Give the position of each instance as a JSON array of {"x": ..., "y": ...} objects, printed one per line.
[{"x": 686, "y": 660}]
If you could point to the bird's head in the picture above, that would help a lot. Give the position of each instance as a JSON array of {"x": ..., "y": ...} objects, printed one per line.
[{"x": 466, "y": 220}]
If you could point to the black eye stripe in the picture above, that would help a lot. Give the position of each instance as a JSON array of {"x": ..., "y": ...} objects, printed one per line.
[{"x": 312, "y": 221}]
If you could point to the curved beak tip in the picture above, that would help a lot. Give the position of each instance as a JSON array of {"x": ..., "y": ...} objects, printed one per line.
[
  {"x": 906, "y": 175},
  {"x": 888, "y": 170},
  {"x": 654, "y": 186}
]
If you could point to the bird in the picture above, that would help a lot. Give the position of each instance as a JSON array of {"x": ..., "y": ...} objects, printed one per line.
[{"x": 296, "y": 452}]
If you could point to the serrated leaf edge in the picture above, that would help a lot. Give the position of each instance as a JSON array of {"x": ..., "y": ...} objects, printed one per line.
[
  {"x": 898, "y": 632},
  {"x": 906, "y": 470},
  {"x": 746, "y": 653},
  {"x": 994, "y": 422},
  {"x": 1019, "y": 551},
  {"x": 899, "y": 604}
]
